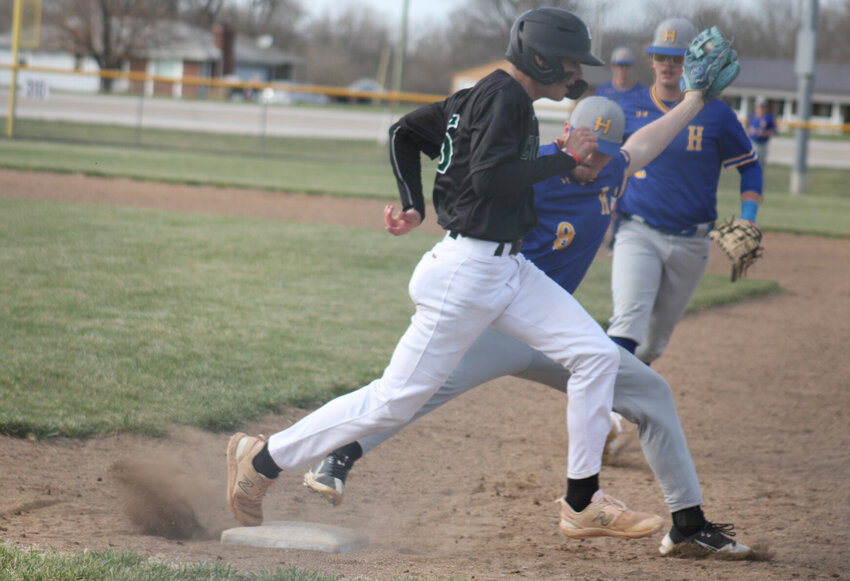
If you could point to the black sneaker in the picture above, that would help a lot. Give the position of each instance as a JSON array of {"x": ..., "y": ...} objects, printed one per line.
[
  {"x": 713, "y": 537},
  {"x": 327, "y": 477}
]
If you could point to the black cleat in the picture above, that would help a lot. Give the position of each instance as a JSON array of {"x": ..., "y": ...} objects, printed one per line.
[
  {"x": 327, "y": 477},
  {"x": 712, "y": 537}
]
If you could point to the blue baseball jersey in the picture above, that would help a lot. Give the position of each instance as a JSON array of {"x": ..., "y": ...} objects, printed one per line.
[
  {"x": 760, "y": 123},
  {"x": 679, "y": 187},
  {"x": 608, "y": 91},
  {"x": 572, "y": 220}
]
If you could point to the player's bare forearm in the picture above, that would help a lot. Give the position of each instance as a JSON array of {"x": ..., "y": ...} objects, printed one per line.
[
  {"x": 402, "y": 222},
  {"x": 650, "y": 140}
]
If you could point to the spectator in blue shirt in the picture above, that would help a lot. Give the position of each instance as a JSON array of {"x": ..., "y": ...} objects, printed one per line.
[{"x": 761, "y": 128}]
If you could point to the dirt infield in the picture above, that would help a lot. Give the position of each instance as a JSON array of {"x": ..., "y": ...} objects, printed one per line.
[{"x": 762, "y": 389}]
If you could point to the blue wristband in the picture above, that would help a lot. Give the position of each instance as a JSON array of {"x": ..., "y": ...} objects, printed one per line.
[{"x": 749, "y": 209}]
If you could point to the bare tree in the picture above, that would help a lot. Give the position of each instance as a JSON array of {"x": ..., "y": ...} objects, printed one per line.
[
  {"x": 833, "y": 32},
  {"x": 6, "y": 15},
  {"x": 480, "y": 30},
  {"x": 281, "y": 19},
  {"x": 346, "y": 46},
  {"x": 255, "y": 17},
  {"x": 110, "y": 31},
  {"x": 204, "y": 13},
  {"x": 431, "y": 62}
]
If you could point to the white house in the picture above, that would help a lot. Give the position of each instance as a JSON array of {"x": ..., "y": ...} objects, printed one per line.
[{"x": 185, "y": 51}]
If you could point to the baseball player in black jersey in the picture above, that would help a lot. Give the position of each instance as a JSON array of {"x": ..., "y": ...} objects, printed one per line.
[{"x": 487, "y": 140}]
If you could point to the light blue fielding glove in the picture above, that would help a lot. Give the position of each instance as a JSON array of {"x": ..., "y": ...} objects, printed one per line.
[{"x": 711, "y": 64}]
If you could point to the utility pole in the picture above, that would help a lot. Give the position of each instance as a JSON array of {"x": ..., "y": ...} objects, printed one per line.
[
  {"x": 13, "y": 86},
  {"x": 402, "y": 50},
  {"x": 804, "y": 66}
]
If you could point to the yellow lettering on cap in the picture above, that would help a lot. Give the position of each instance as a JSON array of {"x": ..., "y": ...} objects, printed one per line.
[
  {"x": 600, "y": 123},
  {"x": 670, "y": 35}
]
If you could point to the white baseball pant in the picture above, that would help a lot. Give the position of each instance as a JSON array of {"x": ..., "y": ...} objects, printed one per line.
[{"x": 460, "y": 288}]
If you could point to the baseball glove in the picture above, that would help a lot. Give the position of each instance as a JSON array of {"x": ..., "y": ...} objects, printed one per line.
[
  {"x": 741, "y": 241},
  {"x": 711, "y": 64}
]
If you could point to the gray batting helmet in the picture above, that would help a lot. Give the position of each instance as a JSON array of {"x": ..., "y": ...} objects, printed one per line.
[
  {"x": 551, "y": 34},
  {"x": 672, "y": 37}
]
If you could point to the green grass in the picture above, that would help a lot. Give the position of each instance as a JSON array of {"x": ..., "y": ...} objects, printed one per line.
[
  {"x": 339, "y": 167},
  {"x": 329, "y": 150},
  {"x": 17, "y": 564},
  {"x": 357, "y": 171},
  {"x": 35, "y": 565},
  {"x": 714, "y": 290},
  {"x": 358, "y": 168},
  {"x": 822, "y": 211},
  {"x": 129, "y": 320},
  {"x": 119, "y": 319}
]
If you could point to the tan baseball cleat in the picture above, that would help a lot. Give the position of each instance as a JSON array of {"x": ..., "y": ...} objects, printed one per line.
[
  {"x": 606, "y": 516},
  {"x": 245, "y": 486},
  {"x": 615, "y": 442}
]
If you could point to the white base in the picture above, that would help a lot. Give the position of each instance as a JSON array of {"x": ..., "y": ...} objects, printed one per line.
[{"x": 297, "y": 535}]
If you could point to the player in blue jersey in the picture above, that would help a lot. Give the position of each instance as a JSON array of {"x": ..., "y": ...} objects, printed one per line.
[
  {"x": 761, "y": 127},
  {"x": 661, "y": 245},
  {"x": 621, "y": 86},
  {"x": 622, "y": 83},
  {"x": 573, "y": 211}
]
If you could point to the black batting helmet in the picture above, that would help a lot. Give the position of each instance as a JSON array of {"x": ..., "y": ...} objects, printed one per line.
[{"x": 551, "y": 34}]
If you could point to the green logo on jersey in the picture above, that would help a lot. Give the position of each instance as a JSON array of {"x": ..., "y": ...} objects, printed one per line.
[{"x": 447, "y": 150}]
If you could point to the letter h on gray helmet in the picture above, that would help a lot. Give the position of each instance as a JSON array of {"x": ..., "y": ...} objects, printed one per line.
[{"x": 551, "y": 34}]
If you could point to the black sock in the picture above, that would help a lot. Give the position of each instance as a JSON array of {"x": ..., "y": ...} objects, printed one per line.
[
  {"x": 265, "y": 464},
  {"x": 580, "y": 491},
  {"x": 350, "y": 452},
  {"x": 689, "y": 521},
  {"x": 627, "y": 344}
]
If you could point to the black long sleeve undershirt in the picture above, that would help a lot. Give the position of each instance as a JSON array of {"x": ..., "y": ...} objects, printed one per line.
[
  {"x": 503, "y": 179},
  {"x": 407, "y": 166},
  {"x": 507, "y": 178}
]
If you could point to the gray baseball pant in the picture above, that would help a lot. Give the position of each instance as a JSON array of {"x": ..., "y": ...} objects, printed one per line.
[
  {"x": 653, "y": 278},
  {"x": 641, "y": 396}
]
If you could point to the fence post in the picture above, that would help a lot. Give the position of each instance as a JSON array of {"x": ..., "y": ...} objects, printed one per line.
[
  {"x": 264, "y": 116},
  {"x": 805, "y": 69},
  {"x": 13, "y": 83},
  {"x": 140, "y": 113}
]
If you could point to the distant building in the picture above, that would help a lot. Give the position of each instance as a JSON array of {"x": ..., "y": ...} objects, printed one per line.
[
  {"x": 184, "y": 51},
  {"x": 772, "y": 78},
  {"x": 258, "y": 60},
  {"x": 776, "y": 80},
  {"x": 49, "y": 54}
]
